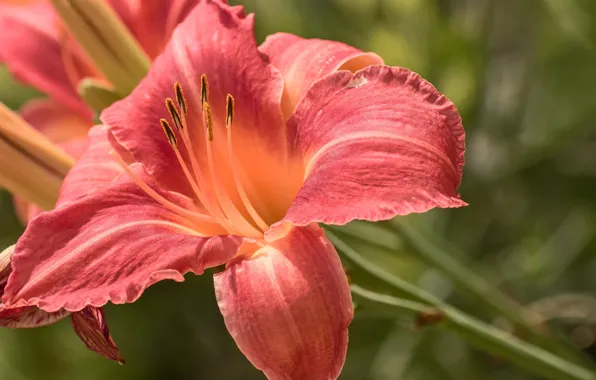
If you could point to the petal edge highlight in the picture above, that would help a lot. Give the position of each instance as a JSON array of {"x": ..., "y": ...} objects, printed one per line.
[{"x": 303, "y": 61}]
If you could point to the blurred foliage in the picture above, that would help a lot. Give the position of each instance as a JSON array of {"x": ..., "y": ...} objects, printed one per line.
[{"x": 522, "y": 74}]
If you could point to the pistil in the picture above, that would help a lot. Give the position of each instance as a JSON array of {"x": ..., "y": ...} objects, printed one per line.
[{"x": 237, "y": 180}]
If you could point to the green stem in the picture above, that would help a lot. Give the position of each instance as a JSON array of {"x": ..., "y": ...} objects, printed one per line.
[
  {"x": 482, "y": 335},
  {"x": 485, "y": 292}
]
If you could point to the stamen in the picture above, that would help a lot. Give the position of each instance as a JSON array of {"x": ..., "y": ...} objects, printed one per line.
[
  {"x": 204, "y": 90},
  {"x": 237, "y": 180},
  {"x": 157, "y": 197},
  {"x": 208, "y": 120},
  {"x": 227, "y": 205},
  {"x": 222, "y": 209},
  {"x": 180, "y": 98},
  {"x": 174, "y": 143},
  {"x": 174, "y": 114},
  {"x": 198, "y": 181},
  {"x": 229, "y": 110},
  {"x": 169, "y": 133}
]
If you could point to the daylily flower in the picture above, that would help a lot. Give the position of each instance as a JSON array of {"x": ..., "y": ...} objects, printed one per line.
[
  {"x": 260, "y": 145},
  {"x": 39, "y": 50}
]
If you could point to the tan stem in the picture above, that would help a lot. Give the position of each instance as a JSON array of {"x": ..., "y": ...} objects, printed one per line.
[
  {"x": 106, "y": 40},
  {"x": 26, "y": 177},
  {"x": 22, "y": 136},
  {"x": 31, "y": 166}
]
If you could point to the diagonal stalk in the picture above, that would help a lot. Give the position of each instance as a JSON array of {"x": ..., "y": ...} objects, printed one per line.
[
  {"x": 486, "y": 294},
  {"x": 481, "y": 334},
  {"x": 484, "y": 291}
]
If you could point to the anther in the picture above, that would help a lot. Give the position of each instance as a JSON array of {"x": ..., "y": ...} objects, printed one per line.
[
  {"x": 229, "y": 110},
  {"x": 174, "y": 113},
  {"x": 208, "y": 120},
  {"x": 180, "y": 97},
  {"x": 204, "y": 90},
  {"x": 169, "y": 133}
]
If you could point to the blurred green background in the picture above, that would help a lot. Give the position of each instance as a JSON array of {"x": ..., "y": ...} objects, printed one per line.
[{"x": 523, "y": 75}]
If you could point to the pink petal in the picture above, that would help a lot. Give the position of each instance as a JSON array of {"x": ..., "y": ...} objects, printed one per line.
[
  {"x": 216, "y": 40},
  {"x": 288, "y": 306},
  {"x": 380, "y": 143},
  {"x": 56, "y": 121},
  {"x": 25, "y": 211},
  {"x": 152, "y": 22},
  {"x": 28, "y": 317},
  {"x": 91, "y": 327},
  {"x": 21, "y": 317},
  {"x": 303, "y": 61},
  {"x": 108, "y": 246},
  {"x": 31, "y": 49},
  {"x": 95, "y": 168}
]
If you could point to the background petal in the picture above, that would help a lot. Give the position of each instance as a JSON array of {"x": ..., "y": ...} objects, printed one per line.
[
  {"x": 61, "y": 125},
  {"x": 56, "y": 121},
  {"x": 302, "y": 61},
  {"x": 380, "y": 143},
  {"x": 288, "y": 307},
  {"x": 95, "y": 169},
  {"x": 152, "y": 22},
  {"x": 108, "y": 246},
  {"x": 32, "y": 31}
]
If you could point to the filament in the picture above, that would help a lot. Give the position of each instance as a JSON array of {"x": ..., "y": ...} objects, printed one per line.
[
  {"x": 157, "y": 197},
  {"x": 241, "y": 191}
]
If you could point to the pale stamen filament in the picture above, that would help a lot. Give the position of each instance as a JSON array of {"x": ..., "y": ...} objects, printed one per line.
[
  {"x": 177, "y": 119},
  {"x": 241, "y": 191},
  {"x": 211, "y": 205},
  {"x": 233, "y": 214},
  {"x": 157, "y": 197},
  {"x": 201, "y": 182}
]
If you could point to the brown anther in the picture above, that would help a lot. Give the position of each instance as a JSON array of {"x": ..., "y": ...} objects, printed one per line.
[
  {"x": 174, "y": 113},
  {"x": 204, "y": 91},
  {"x": 208, "y": 120},
  {"x": 167, "y": 129},
  {"x": 180, "y": 98},
  {"x": 229, "y": 110},
  {"x": 429, "y": 317}
]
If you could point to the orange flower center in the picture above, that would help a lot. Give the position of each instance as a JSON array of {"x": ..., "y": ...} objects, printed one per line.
[{"x": 218, "y": 183}]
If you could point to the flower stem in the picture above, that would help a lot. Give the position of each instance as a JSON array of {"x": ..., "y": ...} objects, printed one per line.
[
  {"x": 486, "y": 295},
  {"x": 481, "y": 335},
  {"x": 485, "y": 292},
  {"x": 476, "y": 332}
]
